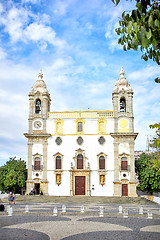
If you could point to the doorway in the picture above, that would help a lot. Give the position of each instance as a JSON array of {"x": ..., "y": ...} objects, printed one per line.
[
  {"x": 80, "y": 185},
  {"x": 124, "y": 190},
  {"x": 37, "y": 188}
]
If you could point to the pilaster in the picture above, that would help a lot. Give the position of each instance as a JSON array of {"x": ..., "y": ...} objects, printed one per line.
[
  {"x": 30, "y": 144},
  {"x": 45, "y": 144}
]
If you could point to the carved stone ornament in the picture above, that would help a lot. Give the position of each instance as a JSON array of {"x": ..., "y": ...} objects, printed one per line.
[
  {"x": 58, "y": 179},
  {"x": 102, "y": 179}
]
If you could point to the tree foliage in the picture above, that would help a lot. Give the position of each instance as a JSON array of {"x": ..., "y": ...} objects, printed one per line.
[
  {"x": 156, "y": 140},
  {"x": 13, "y": 175},
  {"x": 140, "y": 29},
  {"x": 149, "y": 176},
  {"x": 155, "y": 144}
]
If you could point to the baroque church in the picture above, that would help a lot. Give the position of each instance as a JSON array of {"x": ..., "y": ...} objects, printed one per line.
[{"x": 88, "y": 153}]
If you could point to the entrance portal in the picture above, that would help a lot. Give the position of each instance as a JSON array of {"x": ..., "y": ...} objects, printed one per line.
[
  {"x": 80, "y": 185},
  {"x": 37, "y": 188},
  {"x": 124, "y": 190}
]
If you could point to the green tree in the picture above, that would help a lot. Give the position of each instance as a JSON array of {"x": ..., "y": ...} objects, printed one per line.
[
  {"x": 13, "y": 175},
  {"x": 149, "y": 176},
  {"x": 140, "y": 29},
  {"x": 155, "y": 144}
]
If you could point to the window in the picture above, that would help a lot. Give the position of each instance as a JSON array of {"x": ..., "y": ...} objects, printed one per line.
[
  {"x": 79, "y": 126},
  {"x": 58, "y": 141},
  {"x": 37, "y": 163},
  {"x": 79, "y": 140},
  {"x": 101, "y": 140},
  {"x": 101, "y": 162},
  {"x": 58, "y": 162},
  {"x": 80, "y": 161},
  {"x": 58, "y": 158},
  {"x": 122, "y": 105},
  {"x": 124, "y": 163},
  {"x": 38, "y": 106}
]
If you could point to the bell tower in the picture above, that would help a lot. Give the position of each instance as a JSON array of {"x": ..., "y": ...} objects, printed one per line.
[
  {"x": 124, "y": 137},
  {"x": 39, "y": 105}
]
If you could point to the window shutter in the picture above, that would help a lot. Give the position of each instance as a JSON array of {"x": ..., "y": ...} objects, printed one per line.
[
  {"x": 37, "y": 165},
  {"x": 124, "y": 165},
  {"x": 101, "y": 162},
  {"x": 79, "y": 161},
  {"x": 58, "y": 162}
]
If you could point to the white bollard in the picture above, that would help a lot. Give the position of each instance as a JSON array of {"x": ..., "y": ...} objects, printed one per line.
[
  {"x": 63, "y": 208},
  {"x": 149, "y": 214},
  {"x": 82, "y": 209},
  {"x": 120, "y": 209},
  {"x": 141, "y": 210},
  {"x": 125, "y": 213},
  {"x": 10, "y": 211},
  {"x": 101, "y": 212},
  {"x": 8, "y": 207},
  {"x": 55, "y": 211},
  {"x": 26, "y": 209}
]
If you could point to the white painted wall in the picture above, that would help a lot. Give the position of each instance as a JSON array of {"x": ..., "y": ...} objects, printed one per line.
[{"x": 68, "y": 149}]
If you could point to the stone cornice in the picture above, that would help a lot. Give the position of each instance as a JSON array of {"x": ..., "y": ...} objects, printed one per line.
[
  {"x": 42, "y": 135},
  {"x": 119, "y": 135}
]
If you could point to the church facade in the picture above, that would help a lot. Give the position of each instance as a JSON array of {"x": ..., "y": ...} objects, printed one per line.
[{"x": 88, "y": 153}]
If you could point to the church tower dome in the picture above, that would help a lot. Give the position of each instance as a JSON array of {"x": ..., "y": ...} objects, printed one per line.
[
  {"x": 40, "y": 84},
  {"x": 122, "y": 82}
]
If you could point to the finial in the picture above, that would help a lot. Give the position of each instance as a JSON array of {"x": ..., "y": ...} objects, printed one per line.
[
  {"x": 122, "y": 72},
  {"x": 40, "y": 75}
]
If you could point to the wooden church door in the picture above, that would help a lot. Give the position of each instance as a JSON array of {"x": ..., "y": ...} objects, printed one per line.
[
  {"x": 124, "y": 190},
  {"x": 80, "y": 185}
]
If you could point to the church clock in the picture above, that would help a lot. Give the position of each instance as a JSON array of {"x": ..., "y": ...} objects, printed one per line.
[{"x": 37, "y": 124}]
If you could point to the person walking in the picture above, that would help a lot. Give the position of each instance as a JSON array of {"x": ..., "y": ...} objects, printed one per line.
[
  {"x": 14, "y": 198},
  {"x": 10, "y": 197}
]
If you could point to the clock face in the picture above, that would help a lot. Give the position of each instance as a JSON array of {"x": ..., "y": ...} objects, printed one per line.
[{"x": 37, "y": 124}]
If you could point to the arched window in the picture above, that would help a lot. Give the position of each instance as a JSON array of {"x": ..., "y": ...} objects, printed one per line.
[
  {"x": 80, "y": 161},
  {"x": 38, "y": 106},
  {"x": 124, "y": 163},
  {"x": 122, "y": 104},
  {"x": 80, "y": 127},
  {"x": 58, "y": 162},
  {"x": 101, "y": 162},
  {"x": 37, "y": 163}
]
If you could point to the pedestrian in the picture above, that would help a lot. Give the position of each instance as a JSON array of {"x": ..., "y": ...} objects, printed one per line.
[
  {"x": 10, "y": 198},
  {"x": 14, "y": 198}
]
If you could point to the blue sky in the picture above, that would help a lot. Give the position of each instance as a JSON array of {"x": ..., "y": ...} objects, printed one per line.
[{"x": 75, "y": 44}]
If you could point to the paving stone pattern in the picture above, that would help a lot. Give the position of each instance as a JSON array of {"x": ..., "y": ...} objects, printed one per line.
[{"x": 40, "y": 224}]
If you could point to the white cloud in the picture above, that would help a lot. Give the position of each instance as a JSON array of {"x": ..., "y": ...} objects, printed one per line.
[
  {"x": 1, "y": 8},
  {"x": 144, "y": 74},
  {"x": 3, "y": 54},
  {"x": 37, "y": 32},
  {"x": 23, "y": 25},
  {"x": 31, "y": 1},
  {"x": 60, "y": 7}
]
